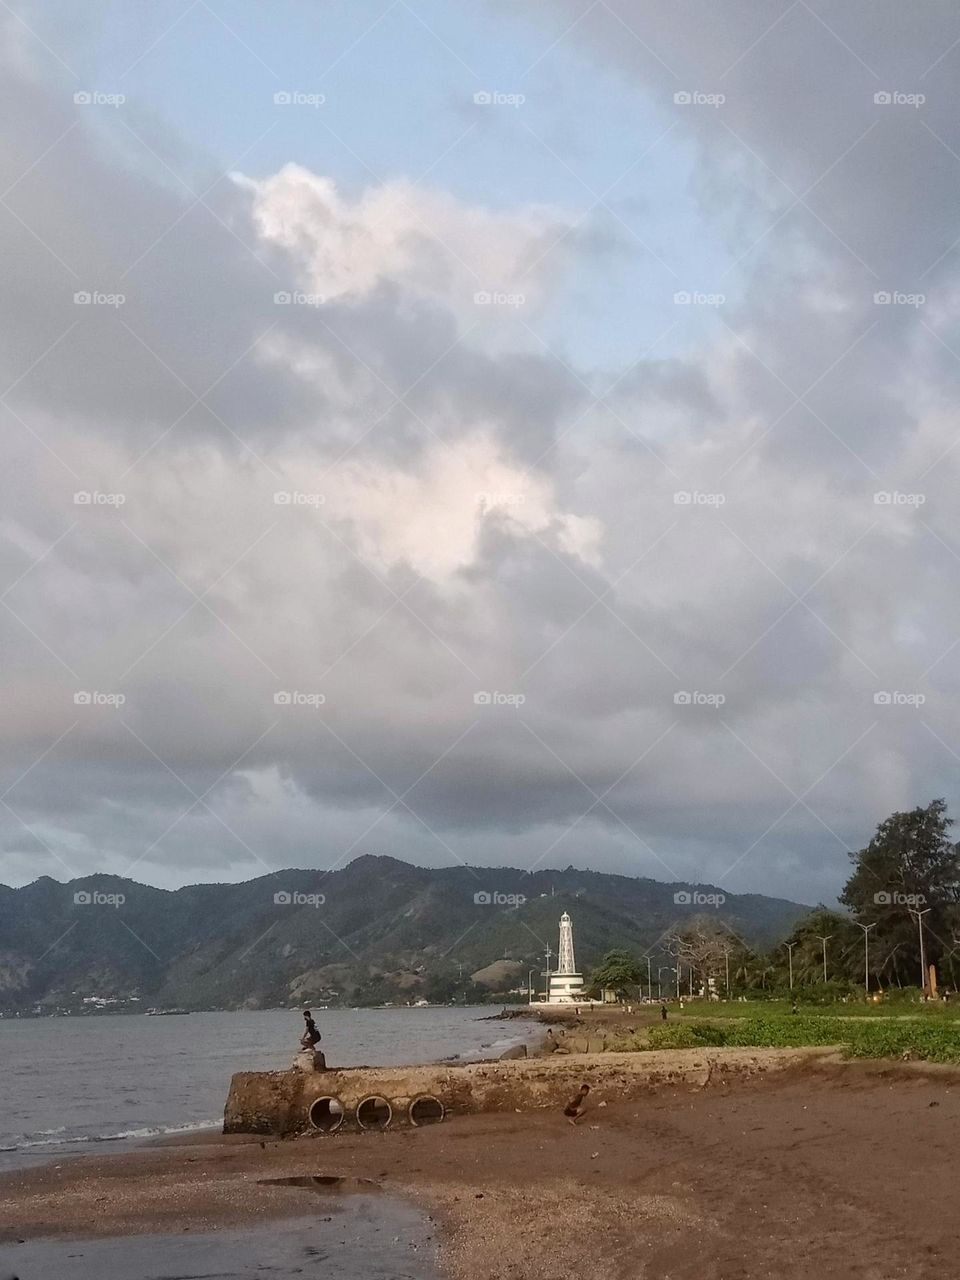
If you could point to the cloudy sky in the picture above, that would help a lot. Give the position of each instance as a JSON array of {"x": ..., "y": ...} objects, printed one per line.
[{"x": 507, "y": 433}]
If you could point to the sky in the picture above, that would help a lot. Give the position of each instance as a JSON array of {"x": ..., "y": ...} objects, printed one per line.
[{"x": 508, "y": 433}]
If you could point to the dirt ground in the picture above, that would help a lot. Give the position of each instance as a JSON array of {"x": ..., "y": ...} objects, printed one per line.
[{"x": 815, "y": 1173}]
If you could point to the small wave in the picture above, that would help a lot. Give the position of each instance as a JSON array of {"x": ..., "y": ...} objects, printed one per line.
[{"x": 153, "y": 1131}]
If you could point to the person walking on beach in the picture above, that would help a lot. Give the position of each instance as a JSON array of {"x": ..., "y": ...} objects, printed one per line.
[
  {"x": 311, "y": 1036},
  {"x": 577, "y": 1104}
]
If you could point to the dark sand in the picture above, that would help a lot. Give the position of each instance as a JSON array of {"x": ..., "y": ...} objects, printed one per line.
[{"x": 821, "y": 1173}]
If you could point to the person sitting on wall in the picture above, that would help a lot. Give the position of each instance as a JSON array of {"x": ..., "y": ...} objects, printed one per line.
[{"x": 311, "y": 1036}]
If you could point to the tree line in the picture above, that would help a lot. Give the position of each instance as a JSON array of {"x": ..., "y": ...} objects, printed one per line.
[{"x": 901, "y": 913}]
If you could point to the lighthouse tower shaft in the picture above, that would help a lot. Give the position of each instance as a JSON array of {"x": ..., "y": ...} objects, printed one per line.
[{"x": 565, "y": 961}]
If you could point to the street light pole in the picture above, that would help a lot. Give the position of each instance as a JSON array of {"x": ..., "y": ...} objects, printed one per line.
[
  {"x": 790, "y": 946},
  {"x": 923, "y": 955},
  {"x": 726, "y": 968},
  {"x": 659, "y": 982},
  {"x": 824, "y": 940},
  {"x": 649, "y": 980},
  {"x": 548, "y": 953},
  {"x": 530, "y": 985},
  {"x": 866, "y": 953}
]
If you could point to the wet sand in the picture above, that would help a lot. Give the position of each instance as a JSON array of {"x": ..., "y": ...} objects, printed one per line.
[{"x": 810, "y": 1174}]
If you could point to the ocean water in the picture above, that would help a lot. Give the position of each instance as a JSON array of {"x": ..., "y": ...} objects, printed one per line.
[{"x": 70, "y": 1085}]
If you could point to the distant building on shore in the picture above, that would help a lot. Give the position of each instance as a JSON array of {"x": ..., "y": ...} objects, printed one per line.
[{"x": 565, "y": 985}]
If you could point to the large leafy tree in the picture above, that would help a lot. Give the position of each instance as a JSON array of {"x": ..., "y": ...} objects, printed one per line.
[
  {"x": 618, "y": 971},
  {"x": 910, "y": 864}
]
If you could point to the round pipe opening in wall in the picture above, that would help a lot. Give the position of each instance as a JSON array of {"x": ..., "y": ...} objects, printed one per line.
[
  {"x": 426, "y": 1110},
  {"x": 326, "y": 1114},
  {"x": 374, "y": 1113}
]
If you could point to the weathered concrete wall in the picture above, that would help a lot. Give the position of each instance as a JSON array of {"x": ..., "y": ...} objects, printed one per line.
[{"x": 278, "y": 1102}]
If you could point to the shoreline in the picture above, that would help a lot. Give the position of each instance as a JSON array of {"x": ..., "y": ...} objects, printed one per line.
[{"x": 786, "y": 1174}]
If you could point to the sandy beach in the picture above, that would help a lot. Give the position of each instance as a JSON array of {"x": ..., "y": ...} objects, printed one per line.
[{"x": 819, "y": 1171}]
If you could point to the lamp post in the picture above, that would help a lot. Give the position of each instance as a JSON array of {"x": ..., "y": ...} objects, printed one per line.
[
  {"x": 726, "y": 972},
  {"x": 678, "y": 977},
  {"x": 824, "y": 940},
  {"x": 659, "y": 982},
  {"x": 790, "y": 946},
  {"x": 866, "y": 953},
  {"x": 649, "y": 980},
  {"x": 530, "y": 985},
  {"x": 923, "y": 955},
  {"x": 548, "y": 954}
]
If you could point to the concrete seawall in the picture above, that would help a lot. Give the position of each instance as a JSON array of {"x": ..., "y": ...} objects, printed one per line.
[{"x": 288, "y": 1102}]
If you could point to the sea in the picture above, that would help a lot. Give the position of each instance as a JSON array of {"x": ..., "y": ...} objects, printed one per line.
[
  {"x": 73, "y": 1084},
  {"x": 98, "y": 1083}
]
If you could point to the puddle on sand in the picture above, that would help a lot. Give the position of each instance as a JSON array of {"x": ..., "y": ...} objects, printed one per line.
[
  {"x": 357, "y": 1238},
  {"x": 321, "y": 1182}
]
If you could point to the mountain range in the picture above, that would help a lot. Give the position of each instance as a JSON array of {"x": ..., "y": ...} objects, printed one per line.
[{"x": 376, "y": 930}]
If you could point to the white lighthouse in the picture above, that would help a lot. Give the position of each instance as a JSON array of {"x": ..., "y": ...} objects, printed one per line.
[{"x": 566, "y": 985}]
